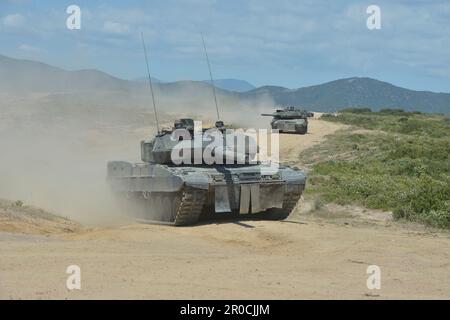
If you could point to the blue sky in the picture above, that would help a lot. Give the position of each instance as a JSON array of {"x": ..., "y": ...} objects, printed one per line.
[{"x": 290, "y": 43}]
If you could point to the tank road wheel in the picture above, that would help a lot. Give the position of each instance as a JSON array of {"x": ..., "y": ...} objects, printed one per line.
[{"x": 289, "y": 202}]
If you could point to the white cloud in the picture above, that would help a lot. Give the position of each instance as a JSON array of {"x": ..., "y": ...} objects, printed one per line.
[
  {"x": 330, "y": 37},
  {"x": 14, "y": 20},
  {"x": 115, "y": 27}
]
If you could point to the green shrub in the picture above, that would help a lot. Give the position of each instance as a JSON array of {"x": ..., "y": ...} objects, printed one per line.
[
  {"x": 356, "y": 110},
  {"x": 18, "y": 204},
  {"x": 392, "y": 111},
  {"x": 406, "y": 170}
]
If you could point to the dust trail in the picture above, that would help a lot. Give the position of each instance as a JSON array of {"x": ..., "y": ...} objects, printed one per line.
[{"x": 54, "y": 147}]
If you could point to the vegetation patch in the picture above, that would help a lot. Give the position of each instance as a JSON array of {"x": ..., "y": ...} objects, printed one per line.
[{"x": 402, "y": 165}]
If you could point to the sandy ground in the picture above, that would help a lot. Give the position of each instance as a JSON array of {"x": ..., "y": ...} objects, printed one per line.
[
  {"x": 291, "y": 145},
  {"x": 317, "y": 258}
]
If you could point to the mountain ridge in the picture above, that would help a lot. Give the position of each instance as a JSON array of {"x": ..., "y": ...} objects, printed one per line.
[{"x": 22, "y": 76}]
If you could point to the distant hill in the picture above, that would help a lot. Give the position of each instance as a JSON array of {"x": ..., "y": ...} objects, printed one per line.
[
  {"x": 232, "y": 84},
  {"x": 356, "y": 92},
  {"x": 145, "y": 79},
  {"x": 24, "y": 76},
  {"x": 235, "y": 85},
  {"x": 27, "y": 76},
  {"x": 18, "y": 76}
]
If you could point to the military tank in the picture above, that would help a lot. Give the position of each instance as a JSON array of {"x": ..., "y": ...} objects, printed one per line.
[
  {"x": 161, "y": 190},
  {"x": 176, "y": 185},
  {"x": 290, "y": 120}
]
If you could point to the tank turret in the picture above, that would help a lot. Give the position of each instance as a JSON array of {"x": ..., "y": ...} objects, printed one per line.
[{"x": 162, "y": 148}]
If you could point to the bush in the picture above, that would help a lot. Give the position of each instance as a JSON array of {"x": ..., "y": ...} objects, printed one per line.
[
  {"x": 18, "y": 204},
  {"x": 392, "y": 111},
  {"x": 356, "y": 110},
  {"x": 406, "y": 170}
]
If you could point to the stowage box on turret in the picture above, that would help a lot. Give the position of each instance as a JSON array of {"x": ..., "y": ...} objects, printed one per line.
[
  {"x": 158, "y": 189},
  {"x": 290, "y": 119}
]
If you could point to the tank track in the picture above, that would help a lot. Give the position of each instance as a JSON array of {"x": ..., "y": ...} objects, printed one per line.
[
  {"x": 190, "y": 207},
  {"x": 193, "y": 200},
  {"x": 290, "y": 201}
]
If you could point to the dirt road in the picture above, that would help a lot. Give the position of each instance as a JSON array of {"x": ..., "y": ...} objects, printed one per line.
[
  {"x": 259, "y": 259},
  {"x": 229, "y": 260},
  {"x": 291, "y": 145}
]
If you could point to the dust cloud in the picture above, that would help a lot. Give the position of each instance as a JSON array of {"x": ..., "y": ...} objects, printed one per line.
[{"x": 54, "y": 147}]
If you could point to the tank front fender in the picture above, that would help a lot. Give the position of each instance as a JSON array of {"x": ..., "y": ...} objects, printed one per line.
[
  {"x": 146, "y": 184},
  {"x": 293, "y": 176},
  {"x": 199, "y": 181}
]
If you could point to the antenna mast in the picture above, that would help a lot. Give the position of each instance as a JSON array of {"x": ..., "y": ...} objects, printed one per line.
[
  {"x": 150, "y": 81},
  {"x": 211, "y": 77}
]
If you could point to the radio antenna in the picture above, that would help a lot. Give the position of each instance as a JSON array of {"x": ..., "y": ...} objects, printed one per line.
[
  {"x": 150, "y": 81},
  {"x": 211, "y": 77}
]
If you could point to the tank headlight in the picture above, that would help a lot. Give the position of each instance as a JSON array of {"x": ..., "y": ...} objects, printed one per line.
[
  {"x": 218, "y": 178},
  {"x": 275, "y": 176}
]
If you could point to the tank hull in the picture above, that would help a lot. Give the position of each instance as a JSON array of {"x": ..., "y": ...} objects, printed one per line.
[
  {"x": 291, "y": 126},
  {"x": 181, "y": 195}
]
